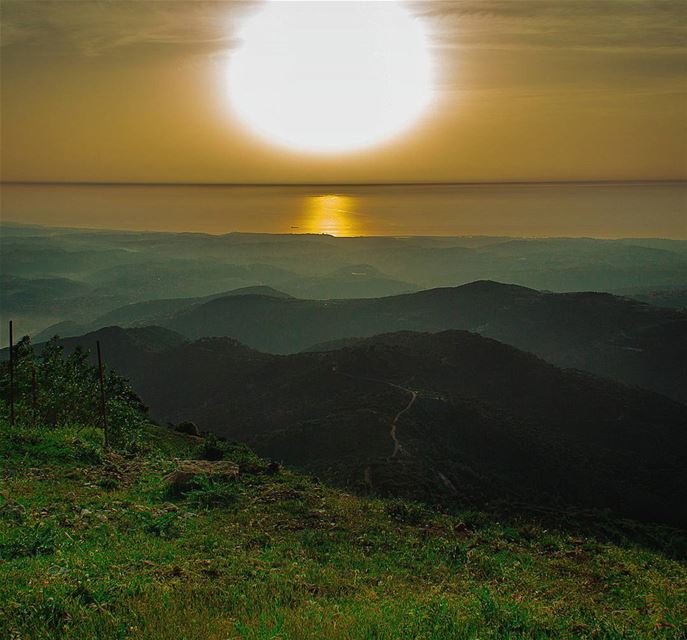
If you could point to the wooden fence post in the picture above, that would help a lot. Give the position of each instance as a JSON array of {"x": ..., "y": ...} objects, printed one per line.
[
  {"x": 11, "y": 375},
  {"x": 34, "y": 395},
  {"x": 103, "y": 401}
]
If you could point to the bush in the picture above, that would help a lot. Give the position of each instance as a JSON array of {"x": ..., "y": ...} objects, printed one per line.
[
  {"x": 189, "y": 428},
  {"x": 210, "y": 493},
  {"x": 407, "y": 512},
  {"x": 249, "y": 462},
  {"x": 212, "y": 448},
  {"x": 163, "y": 526},
  {"x": 56, "y": 390}
]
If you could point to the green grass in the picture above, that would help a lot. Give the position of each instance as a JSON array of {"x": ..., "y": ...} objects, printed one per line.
[{"x": 95, "y": 548}]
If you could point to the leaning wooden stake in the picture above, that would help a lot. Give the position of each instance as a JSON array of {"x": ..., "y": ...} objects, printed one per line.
[
  {"x": 34, "y": 396},
  {"x": 103, "y": 401},
  {"x": 11, "y": 375}
]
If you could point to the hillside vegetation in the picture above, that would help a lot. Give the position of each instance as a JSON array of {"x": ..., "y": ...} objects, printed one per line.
[
  {"x": 94, "y": 546},
  {"x": 486, "y": 422}
]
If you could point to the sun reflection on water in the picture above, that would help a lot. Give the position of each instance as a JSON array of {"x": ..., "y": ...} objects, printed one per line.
[{"x": 331, "y": 214}]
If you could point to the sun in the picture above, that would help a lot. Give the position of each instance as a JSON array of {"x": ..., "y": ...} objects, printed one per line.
[{"x": 330, "y": 77}]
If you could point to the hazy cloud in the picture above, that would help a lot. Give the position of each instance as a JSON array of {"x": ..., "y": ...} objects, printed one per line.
[
  {"x": 573, "y": 24},
  {"x": 93, "y": 27}
]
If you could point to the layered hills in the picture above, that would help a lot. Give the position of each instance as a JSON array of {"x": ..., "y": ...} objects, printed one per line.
[
  {"x": 611, "y": 336},
  {"x": 450, "y": 416},
  {"x": 55, "y": 275}
]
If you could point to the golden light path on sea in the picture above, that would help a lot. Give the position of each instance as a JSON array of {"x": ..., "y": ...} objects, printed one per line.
[{"x": 332, "y": 214}]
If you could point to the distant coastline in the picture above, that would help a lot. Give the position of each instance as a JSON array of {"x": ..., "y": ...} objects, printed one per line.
[
  {"x": 555, "y": 183},
  {"x": 611, "y": 209}
]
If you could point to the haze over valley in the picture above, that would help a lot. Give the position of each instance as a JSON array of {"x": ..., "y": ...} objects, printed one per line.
[{"x": 351, "y": 357}]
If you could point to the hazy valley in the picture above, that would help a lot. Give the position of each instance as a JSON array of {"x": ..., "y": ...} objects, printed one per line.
[
  {"x": 52, "y": 275},
  {"x": 568, "y": 398}
]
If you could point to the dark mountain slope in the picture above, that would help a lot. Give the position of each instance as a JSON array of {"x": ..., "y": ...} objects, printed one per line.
[
  {"x": 597, "y": 332},
  {"x": 25, "y": 295},
  {"x": 123, "y": 349},
  {"x": 675, "y": 297},
  {"x": 451, "y": 414},
  {"x": 148, "y": 312},
  {"x": 144, "y": 312}
]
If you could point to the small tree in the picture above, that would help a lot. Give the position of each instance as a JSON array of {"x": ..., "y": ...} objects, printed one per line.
[{"x": 56, "y": 389}]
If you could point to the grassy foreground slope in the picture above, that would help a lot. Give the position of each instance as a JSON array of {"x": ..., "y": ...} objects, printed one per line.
[{"x": 93, "y": 546}]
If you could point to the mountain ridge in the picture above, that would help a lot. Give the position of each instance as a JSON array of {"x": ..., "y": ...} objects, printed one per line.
[
  {"x": 487, "y": 421},
  {"x": 612, "y": 336},
  {"x": 597, "y": 332}
]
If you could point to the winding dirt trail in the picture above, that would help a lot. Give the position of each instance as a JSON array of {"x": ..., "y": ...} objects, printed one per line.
[
  {"x": 447, "y": 483},
  {"x": 398, "y": 448},
  {"x": 413, "y": 396}
]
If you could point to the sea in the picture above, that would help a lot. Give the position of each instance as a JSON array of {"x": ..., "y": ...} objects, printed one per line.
[{"x": 599, "y": 209}]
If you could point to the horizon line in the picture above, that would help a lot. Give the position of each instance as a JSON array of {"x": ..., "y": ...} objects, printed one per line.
[
  {"x": 13, "y": 223},
  {"x": 86, "y": 183}
]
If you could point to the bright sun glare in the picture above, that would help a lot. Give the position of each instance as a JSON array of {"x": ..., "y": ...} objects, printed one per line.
[{"x": 329, "y": 77}]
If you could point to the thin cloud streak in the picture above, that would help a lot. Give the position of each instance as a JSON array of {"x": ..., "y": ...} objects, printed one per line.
[{"x": 96, "y": 28}]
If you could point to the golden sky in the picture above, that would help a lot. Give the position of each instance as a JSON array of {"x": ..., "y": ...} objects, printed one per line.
[{"x": 525, "y": 90}]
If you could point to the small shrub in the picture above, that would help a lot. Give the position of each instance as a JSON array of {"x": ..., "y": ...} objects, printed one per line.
[
  {"x": 511, "y": 534},
  {"x": 86, "y": 446},
  {"x": 407, "y": 512},
  {"x": 248, "y": 461},
  {"x": 476, "y": 519},
  {"x": 189, "y": 428},
  {"x": 164, "y": 525},
  {"x": 210, "y": 493},
  {"x": 212, "y": 448}
]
